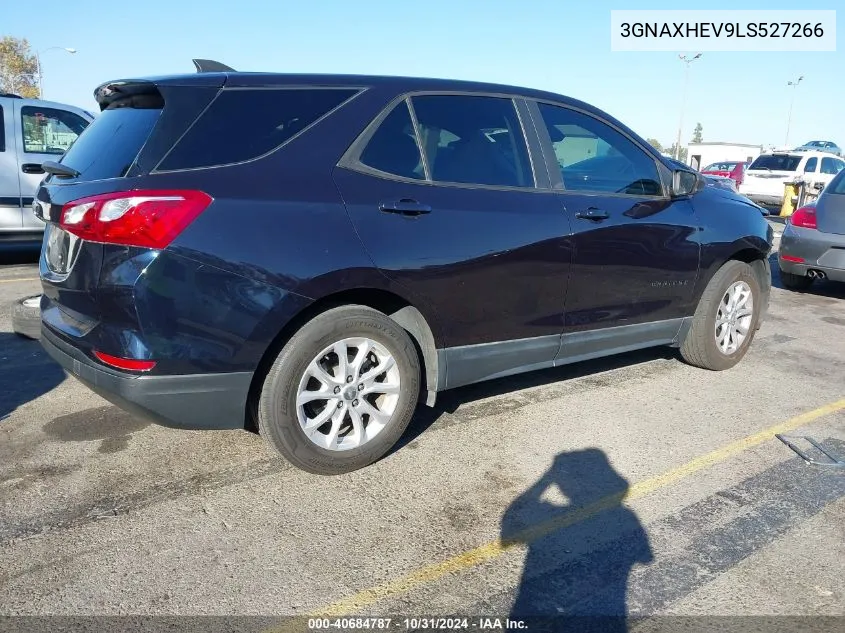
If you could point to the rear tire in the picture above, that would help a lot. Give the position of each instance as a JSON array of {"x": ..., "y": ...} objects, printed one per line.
[
  {"x": 721, "y": 346},
  {"x": 796, "y": 283},
  {"x": 356, "y": 430},
  {"x": 26, "y": 317}
]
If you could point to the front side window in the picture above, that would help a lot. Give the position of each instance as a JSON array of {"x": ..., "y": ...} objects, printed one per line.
[
  {"x": 811, "y": 165},
  {"x": 592, "y": 156},
  {"x": 831, "y": 165},
  {"x": 473, "y": 140},
  {"x": 50, "y": 130}
]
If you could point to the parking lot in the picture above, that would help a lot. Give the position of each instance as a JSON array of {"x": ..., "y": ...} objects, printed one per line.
[{"x": 633, "y": 482}]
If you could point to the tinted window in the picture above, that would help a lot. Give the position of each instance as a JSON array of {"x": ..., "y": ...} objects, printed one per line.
[
  {"x": 592, "y": 156},
  {"x": 110, "y": 144},
  {"x": 475, "y": 140},
  {"x": 50, "y": 131},
  {"x": 393, "y": 148},
  {"x": 241, "y": 125},
  {"x": 777, "y": 162},
  {"x": 2, "y": 131},
  {"x": 831, "y": 166},
  {"x": 811, "y": 165}
]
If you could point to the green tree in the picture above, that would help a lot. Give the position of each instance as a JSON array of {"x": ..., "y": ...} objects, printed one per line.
[
  {"x": 696, "y": 135},
  {"x": 655, "y": 144},
  {"x": 18, "y": 67},
  {"x": 682, "y": 156}
]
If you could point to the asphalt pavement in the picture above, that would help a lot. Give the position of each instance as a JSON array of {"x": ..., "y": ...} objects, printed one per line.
[{"x": 635, "y": 483}]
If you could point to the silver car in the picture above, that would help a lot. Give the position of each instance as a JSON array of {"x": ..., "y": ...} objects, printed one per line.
[
  {"x": 813, "y": 242},
  {"x": 32, "y": 131}
]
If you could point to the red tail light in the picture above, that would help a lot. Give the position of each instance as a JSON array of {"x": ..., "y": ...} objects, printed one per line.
[
  {"x": 805, "y": 217},
  {"x": 150, "y": 219},
  {"x": 130, "y": 364}
]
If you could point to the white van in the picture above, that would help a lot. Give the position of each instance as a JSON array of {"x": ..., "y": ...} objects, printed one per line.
[
  {"x": 31, "y": 131},
  {"x": 765, "y": 177}
]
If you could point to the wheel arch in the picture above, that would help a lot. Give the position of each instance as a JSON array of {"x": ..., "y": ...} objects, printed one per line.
[{"x": 399, "y": 309}]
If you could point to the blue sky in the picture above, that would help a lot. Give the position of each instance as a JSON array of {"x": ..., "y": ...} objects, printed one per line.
[{"x": 557, "y": 45}]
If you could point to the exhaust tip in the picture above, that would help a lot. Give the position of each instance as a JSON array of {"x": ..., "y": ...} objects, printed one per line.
[{"x": 816, "y": 274}]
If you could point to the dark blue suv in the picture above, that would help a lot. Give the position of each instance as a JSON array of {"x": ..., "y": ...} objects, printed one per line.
[{"x": 310, "y": 256}]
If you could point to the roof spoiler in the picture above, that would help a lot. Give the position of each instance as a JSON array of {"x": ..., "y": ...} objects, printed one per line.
[{"x": 211, "y": 66}]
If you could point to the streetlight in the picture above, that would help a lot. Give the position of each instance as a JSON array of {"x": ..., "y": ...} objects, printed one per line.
[
  {"x": 687, "y": 61},
  {"x": 794, "y": 85},
  {"x": 38, "y": 65}
]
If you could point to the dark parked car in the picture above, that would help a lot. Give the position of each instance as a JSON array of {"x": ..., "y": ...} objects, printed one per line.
[
  {"x": 813, "y": 242},
  {"x": 310, "y": 255}
]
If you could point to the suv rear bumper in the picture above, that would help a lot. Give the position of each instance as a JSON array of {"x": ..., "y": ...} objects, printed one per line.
[{"x": 193, "y": 401}]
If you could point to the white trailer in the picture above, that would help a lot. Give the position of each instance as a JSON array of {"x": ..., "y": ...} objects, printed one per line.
[{"x": 700, "y": 155}]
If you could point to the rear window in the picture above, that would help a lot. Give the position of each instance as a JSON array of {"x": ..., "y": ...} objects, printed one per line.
[
  {"x": 108, "y": 147},
  {"x": 837, "y": 185},
  {"x": 244, "y": 124},
  {"x": 777, "y": 162},
  {"x": 720, "y": 167}
]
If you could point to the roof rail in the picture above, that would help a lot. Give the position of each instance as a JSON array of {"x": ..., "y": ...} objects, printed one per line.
[
  {"x": 10, "y": 95},
  {"x": 211, "y": 66}
]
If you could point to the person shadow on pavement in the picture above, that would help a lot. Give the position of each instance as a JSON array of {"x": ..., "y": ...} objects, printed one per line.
[{"x": 582, "y": 544}]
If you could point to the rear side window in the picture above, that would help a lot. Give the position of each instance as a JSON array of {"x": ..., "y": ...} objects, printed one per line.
[
  {"x": 473, "y": 139},
  {"x": 776, "y": 162},
  {"x": 811, "y": 165},
  {"x": 111, "y": 143},
  {"x": 50, "y": 130},
  {"x": 831, "y": 165},
  {"x": 393, "y": 148},
  {"x": 242, "y": 125}
]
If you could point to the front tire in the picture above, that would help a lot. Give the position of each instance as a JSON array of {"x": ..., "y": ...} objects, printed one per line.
[
  {"x": 309, "y": 410},
  {"x": 725, "y": 320}
]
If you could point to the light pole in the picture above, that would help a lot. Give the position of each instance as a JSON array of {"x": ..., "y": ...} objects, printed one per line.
[
  {"x": 794, "y": 85},
  {"x": 38, "y": 65},
  {"x": 687, "y": 61}
]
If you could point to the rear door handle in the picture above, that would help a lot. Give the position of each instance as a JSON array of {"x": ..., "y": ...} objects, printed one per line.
[
  {"x": 405, "y": 206},
  {"x": 32, "y": 168},
  {"x": 597, "y": 215}
]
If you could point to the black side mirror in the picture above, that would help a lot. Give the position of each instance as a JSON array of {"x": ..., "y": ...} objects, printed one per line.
[{"x": 684, "y": 183}]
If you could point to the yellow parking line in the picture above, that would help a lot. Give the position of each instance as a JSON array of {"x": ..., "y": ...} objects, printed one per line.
[
  {"x": 496, "y": 548},
  {"x": 20, "y": 280}
]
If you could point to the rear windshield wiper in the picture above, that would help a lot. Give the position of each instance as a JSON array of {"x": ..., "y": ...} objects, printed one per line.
[{"x": 57, "y": 169}]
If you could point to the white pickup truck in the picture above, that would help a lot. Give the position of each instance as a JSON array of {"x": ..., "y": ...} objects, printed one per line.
[{"x": 765, "y": 178}]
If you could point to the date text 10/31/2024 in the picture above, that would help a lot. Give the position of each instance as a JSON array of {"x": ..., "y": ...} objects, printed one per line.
[{"x": 414, "y": 624}]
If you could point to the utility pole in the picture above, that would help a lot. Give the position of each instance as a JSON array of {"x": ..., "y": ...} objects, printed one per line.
[
  {"x": 687, "y": 61},
  {"x": 794, "y": 86},
  {"x": 38, "y": 66}
]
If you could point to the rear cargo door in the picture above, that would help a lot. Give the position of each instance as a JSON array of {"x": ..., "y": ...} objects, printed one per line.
[{"x": 140, "y": 124}]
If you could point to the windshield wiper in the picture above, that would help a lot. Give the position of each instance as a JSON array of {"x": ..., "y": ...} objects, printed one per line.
[{"x": 57, "y": 169}]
